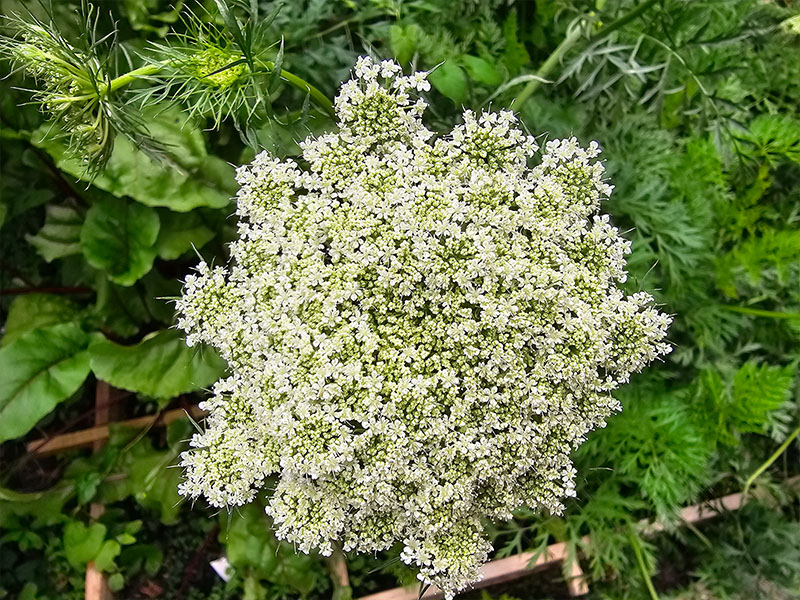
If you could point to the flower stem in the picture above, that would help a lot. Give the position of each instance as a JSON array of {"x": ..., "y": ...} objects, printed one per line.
[
  {"x": 301, "y": 84},
  {"x": 775, "y": 455},
  {"x": 573, "y": 35},
  {"x": 151, "y": 69},
  {"x": 337, "y": 566},
  {"x": 637, "y": 550},
  {"x": 548, "y": 65},
  {"x": 131, "y": 76},
  {"x": 757, "y": 312}
]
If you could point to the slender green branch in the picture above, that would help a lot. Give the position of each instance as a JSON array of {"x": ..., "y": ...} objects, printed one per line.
[
  {"x": 130, "y": 77},
  {"x": 775, "y": 455},
  {"x": 321, "y": 99},
  {"x": 573, "y": 35},
  {"x": 555, "y": 57},
  {"x": 623, "y": 20},
  {"x": 637, "y": 550},
  {"x": 72, "y": 99},
  {"x": 152, "y": 69},
  {"x": 757, "y": 312}
]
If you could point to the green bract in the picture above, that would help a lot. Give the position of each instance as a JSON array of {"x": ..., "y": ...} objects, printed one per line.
[
  {"x": 72, "y": 86},
  {"x": 419, "y": 331}
]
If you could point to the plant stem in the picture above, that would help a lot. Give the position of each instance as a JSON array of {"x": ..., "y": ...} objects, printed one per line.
[
  {"x": 337, "y": 566},
  {"x": 623, "y": 20},
  {"x": 131, "y": 76},
  {"x": 548, "y": 65},
  {"x": 151, "y": 69},
  {"x": 757, "y": 312},
  {"x": 637, "y": 550},
  {"x": 775, "y": 455},
  {"x": 568, "y": 42},
  {"x": 301, "y": 84}
]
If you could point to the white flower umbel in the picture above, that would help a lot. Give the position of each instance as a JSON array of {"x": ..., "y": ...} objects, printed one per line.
[{"x": 419, "y": 330}]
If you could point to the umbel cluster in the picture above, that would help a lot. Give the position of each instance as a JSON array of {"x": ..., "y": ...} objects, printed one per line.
[{"x": 419, "y": 329}]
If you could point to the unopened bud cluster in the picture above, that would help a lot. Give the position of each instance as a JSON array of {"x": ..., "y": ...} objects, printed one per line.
[
  {"x": 420, "y": 331},
  {"x": 69, "y": 81}
]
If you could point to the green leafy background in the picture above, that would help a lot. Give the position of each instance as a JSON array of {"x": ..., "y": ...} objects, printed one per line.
[{"x": 695, "y": 104}]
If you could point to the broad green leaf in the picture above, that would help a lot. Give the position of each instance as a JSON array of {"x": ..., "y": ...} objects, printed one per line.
[
  {"x": 161, "y": 366},
  {"x": 147, "y": 556},
  {"x": 24, "y": 183},
  {"x": 24, "y": 539},
  {"x": 155, "y": 483},
  {"x": 130, "y": 528},
  {"x": 145, "y": 15},
  {"x": 179, "y": 232},
  {"x": 404, "y": 41},
  {"x": 120, "y": 309},
  {"x": 81, "y": 543},
  {"x": 86, "y": 486},
  {"x": 39, "y": 370},
  {"x": 194, "y": 179},
  {"x": 46, "y": 508},
  {"x": 29, "y": 592},
  {"x": 179, "y": 134},
  {"x": 104, "y": 560},
  {"x": 32, "y": 311},
  {"x": 249, "y": 541},
  {"x": 280, "y": 139},
  {"x": 481, "y": 70},
  {"x": 179, "y": 431},
  {"x": 450, "y": 80},
  {"x": 149, "y": 476},
  {"x": 60, "y": 235},
  {"x": 158, "y": 294},
  {"x": 116, "y": 581},
  {"x": 251, "y": 548},
  {"x": 126, "y": 539},
  {"x": 119, "y": 237}
]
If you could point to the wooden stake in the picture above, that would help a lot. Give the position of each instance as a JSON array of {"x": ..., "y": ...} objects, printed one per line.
[
  {"x": 337, "y": 566},
  {"x": 494, "y": 572},
  {"x": 96, "y": 583},
  {"x": 519, "y": 565},
  {"x": 577, "y": 582},
  {"x": 98, "y": 434}
]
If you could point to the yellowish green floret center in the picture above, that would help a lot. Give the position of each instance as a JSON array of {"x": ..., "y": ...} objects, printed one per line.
[{"x": 217, "y": 67}]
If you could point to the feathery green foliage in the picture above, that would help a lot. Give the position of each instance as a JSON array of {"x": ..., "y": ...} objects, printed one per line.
[{"x": 119, "y": 123}]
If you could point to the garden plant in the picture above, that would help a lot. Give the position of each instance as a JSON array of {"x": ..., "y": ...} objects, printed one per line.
[{"x": 364, "y": 294}]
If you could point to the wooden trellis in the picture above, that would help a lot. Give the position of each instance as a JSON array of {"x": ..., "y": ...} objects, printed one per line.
[
  {"x": 95, "y": 437},
  {"x": 96, "y": 583},
  {"x": 520, "y": 565},
  {"x": 99, "y": 433},
  {"x": 494, "y": 572}
]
